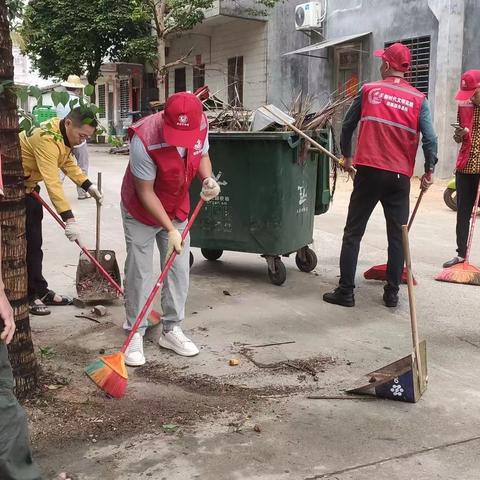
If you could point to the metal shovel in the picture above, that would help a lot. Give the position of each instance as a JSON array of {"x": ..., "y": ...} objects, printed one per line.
[{"x": 91, "y": 285}]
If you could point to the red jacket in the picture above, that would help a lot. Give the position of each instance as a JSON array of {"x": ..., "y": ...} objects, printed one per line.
[
  {"x": 174, "y": 174},
  {"x": 465, "y": 118},
  {"x": 389, "y": 126}
]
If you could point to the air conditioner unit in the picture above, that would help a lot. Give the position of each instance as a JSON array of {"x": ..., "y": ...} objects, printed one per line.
[{"x": 308, "y": 16}]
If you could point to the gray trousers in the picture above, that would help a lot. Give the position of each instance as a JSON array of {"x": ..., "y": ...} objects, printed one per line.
[
  {"x": 16, "y": 461},
  {"x": 139, "y": 281},
  {"x": 81, "y": 155}
]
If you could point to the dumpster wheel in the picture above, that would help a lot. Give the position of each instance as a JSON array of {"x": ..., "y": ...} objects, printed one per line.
[
  {"x": 277, "y": 273},
  {"x": 211, "y": 255},
  {"x": 306, "y": 259}
]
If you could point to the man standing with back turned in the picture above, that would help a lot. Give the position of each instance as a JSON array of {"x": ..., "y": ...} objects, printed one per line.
[{"x": 391, "y": 113}]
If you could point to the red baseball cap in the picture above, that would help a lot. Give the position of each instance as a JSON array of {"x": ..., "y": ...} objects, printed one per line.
[
  {"x": 183, "y": 117},
  {"x": 468, "y": 84},
  {"x": 397, "y": 55}
]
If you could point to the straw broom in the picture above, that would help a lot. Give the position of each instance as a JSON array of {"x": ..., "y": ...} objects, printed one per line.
[
  {"x": 465, "y": 272},
  {"x": 109, "y": 372}
]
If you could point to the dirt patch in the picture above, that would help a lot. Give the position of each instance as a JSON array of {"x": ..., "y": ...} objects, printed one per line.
[
  {"x": 68, "y": 409},
  {"x": 208, "y": 385}
]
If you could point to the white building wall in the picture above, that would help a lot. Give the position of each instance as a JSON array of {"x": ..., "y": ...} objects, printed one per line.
[{"x": 230, "y": 38}]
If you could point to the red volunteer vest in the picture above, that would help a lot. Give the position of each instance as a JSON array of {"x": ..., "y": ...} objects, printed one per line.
[
  {"x": 389, "y": 126},
  {"x": 174, "y": 174},
  {"x": 465, "y": 118}
]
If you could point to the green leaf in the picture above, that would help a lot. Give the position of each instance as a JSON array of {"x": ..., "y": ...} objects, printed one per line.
[
  {"x": 64, "y": 98},
  {"x": 169, "y": 427},
  {"x": 73, "y": 103},
  {"x": 22, "y": 93},
  {"x": 35, "y": 92},
  {"x": 89, "y": 90},
  {"x": 56, "y": 97},
  {"x": 25, "y": 125},
  {"x": 40, "y": 101}
]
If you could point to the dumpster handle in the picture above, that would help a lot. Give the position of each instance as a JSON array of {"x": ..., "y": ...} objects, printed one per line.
[{"x": 294, "y": 143}]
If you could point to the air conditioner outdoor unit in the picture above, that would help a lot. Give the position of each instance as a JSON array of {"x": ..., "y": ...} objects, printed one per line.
[{"x": 308, "y": 16}]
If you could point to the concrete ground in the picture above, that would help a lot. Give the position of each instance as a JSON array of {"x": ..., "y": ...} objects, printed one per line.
[{"x": 282, "y": 434}]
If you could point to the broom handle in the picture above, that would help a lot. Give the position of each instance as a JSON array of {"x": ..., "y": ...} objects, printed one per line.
[
  {"x": 112, "y": 282},
  {"x": 411, "y": 301},
  {"x": 415, "y": 210},
  {"x": 97, "y": 232},
  {"x": 474, "y": 221},
  {"x": 310, "y": 139},
  {"x": 161, "y": 278}
]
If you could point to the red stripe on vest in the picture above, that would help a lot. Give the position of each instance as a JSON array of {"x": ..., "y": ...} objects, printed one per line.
[
  {"x": 389, "y": 126},
  {"x": 174, "y": 174}
]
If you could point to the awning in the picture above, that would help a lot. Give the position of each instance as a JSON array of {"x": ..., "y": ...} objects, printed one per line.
[{"x": 325, "y": 44}]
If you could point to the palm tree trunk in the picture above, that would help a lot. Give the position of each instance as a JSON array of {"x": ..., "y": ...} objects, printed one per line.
[{"x": 12, "y": 221}]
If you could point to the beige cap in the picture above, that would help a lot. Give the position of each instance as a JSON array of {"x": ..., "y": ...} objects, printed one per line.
[{"x": 73, "y": 81}]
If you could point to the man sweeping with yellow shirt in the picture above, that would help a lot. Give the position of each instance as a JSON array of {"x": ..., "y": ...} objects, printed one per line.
[{"x": 45, "y": 151}]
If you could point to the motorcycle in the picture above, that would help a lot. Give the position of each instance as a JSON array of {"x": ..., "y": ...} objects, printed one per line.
[{"x": 450, "y": 195}]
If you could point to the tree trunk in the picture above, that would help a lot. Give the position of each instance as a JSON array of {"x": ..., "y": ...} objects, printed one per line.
[
  {"x": 161, "y": 73},
  {"x": 12, "y": 221}
]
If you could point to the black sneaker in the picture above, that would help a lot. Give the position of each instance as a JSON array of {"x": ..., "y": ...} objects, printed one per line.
[
  {"x": 390, "y": 298},
  {"x": 453, "y": 261},
  {"x": 340, "y": 297}
]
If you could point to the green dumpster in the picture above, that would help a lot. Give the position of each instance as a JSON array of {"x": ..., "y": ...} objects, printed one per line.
[
  {"x": 268, "y": 199},
  {"x": 42, "y": 114}
]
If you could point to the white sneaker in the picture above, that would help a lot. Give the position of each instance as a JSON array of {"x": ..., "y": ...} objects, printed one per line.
[
  {"x": 134, "y": 356},
  {"x": 176, "y": 340}
]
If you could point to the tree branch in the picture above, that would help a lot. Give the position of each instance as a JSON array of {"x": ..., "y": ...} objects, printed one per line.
[{"x": 180, "y": 61}]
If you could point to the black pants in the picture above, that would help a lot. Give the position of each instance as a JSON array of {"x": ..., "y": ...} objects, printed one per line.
[
  {"x": 467, "y": 185},
  {"x": 15, "y": 455},
  {"x": 37, "y": 285},
  {"x": 392, "y": 190}
]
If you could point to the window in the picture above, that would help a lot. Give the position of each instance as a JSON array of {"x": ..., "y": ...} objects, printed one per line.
[
  {"x": 198, "y": 76},
  {"x": 124, "y": 98},
  {"x": 180, "y": 79},
  {"x": 235, "y": 81},
  {"x": 101, "y": 101},
  {"x": 418, "y": 75}
]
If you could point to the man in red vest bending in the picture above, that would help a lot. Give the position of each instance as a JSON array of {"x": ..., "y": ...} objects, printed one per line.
[
  {"x": 167, "y": 151},
  {"x": 468, "y": 161},
  {"x": 391, "y": 114}
]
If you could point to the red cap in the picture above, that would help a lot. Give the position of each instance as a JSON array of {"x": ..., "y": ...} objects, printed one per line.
[
  {"x": 397, "y": 55},
  {"x": 183, "y": 117},
  {"x": 469, "y": 83}
]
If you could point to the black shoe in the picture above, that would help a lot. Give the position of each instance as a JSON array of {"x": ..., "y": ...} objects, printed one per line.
[
  {"x": 340, "y": 297},
  {"x": 453, "y": 261},
  {"x": 390, "y": 298}
]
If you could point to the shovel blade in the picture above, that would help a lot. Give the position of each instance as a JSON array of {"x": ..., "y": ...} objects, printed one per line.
[{"x": 399, "y": 380}]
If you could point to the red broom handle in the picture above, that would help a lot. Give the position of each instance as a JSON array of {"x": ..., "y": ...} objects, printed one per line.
[
  {"x": 161, "y": 278},
  {"x": 474, "y": 221},
  {"x": 112, "y": 282}
]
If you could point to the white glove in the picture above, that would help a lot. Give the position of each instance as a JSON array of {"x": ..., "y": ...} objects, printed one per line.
[
  {"x": 210, "y": 189},
  {"x": 174, "y": 243},
  {"x": 72, "y": 230},
  {"x": 96, "y": 193}
]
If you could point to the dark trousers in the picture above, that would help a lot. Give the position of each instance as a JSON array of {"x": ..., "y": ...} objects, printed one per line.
[
  {"x": 467, "y": 185},
  {"x": 37, "y": 285},
  {"x": 371, "y": 186},
  {"x": 15, "y": 455}
]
